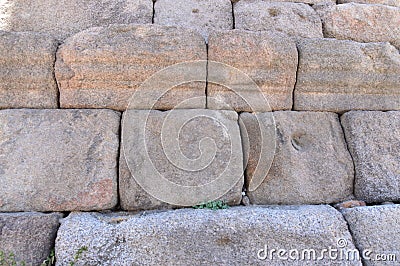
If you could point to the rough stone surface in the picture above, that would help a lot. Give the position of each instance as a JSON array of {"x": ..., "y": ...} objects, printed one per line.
[
  {"x": 29, "y": 236},
  {"x": 376, "y": 229},
  {"x": 63, "y": 18},
  {"x": 26, "y": 70},
  {"x": 337, "y": 76},
  {"x": 102, "y": 67},
  {"x": 202, "y": 15},
  {"x": 360, "y": 22},
  {"x": 58, "y": 160},
  {"x": 311, "y": 163},
  {"x": 310, "y": 2},
  {"x": 374, "y": 142},
  {"x": 201, "y": 237},
  {"x": 293, "y": 19},
  {"x": 275, "y": 74},
  {"x": 228, "y": 157},
  {"x": 382, "y": 2}
]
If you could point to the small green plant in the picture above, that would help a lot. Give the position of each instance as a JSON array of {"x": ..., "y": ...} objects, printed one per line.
[
  {"x": 212, "y": 205},
  {"x": 51, "y": 259},
  {"x": 9, "y": 259},
  {"x": 78, "y": 255}
]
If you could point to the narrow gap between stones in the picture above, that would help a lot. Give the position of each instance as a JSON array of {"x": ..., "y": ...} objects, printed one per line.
[
  {"x": 297, "y": 76},
  {"x": 206, "y": 88},
  {"x": 154, "y": 12},
  {"x": 233, "y": 15},
  {"x": 244, "y": 188},
  {"x": 54, "y": 76},
  {"x": 351, "y": 155},
  {"x": 353, "y": 239},
  {"x": 118, "y": 205}
]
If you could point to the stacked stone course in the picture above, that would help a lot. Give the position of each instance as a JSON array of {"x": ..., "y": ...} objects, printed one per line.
[{"x": 329, "y": 71}]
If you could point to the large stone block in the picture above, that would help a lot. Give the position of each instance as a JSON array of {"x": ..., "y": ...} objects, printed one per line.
[
  {"x": 178, "y": 146},
  {"x": 234, "y": 236},
  {"x": 63, "y": 18},
  {"x": 311, "y": 165},
  {"x": 376, "y": 230},
  {"x": 27, "y": 70},
  {"x": 202, "y": 15},
  {"x": 374, "y": 142},
  {"x": 337, "y": 76},
  {"x": 28, "y": 236},
  {"x": 361, "y": 22},
  {"x": 103, "y": 67},
  {"x": 58, "y": 160},
  {"x": 293, "y": 19},
  {"x": 382, "y": 2},
  {"x": 269, "y": 59}
]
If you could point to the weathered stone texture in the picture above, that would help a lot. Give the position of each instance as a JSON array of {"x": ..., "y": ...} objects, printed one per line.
[
  {"x": 374, "y": 142},
  {"x": 202, "y": 15},
  {"x": 201, "y": 237},
  {"x": 269, "y": 59},
  {"x": 29, "y": 236},
  {"x": 311, "y": 163},
  {"x": 362, "y": 23},
  {"x": 220, "y": 126},
  {"x": 102, "y": 67},
  {"x": 338, "y": 75},
  {"x": 26, "y": 70},
  {"x": 376, "y": 229},
  {"x": 293, "y": 19},
  {"x": 382, "y": 2},
  {"x": 63, "y": 18},
  {"x": 58, "y": 160}
]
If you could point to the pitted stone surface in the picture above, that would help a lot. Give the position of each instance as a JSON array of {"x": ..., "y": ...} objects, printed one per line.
[
  {"x": 293, "y": 19},
  {"x": 63, "y": 18},
  {"x": 376, "y": 230},
  {"x": 202, "y": 237},
  {"x": 26, "y": 70},
  {"x": 102, "y": 67},
  {"x": 202, "y": 15},
  {"x": 374, "y": 142},
  {"x": 311, "y": 163},
  {"x": 220, "y": 126},
  {"x": 269, "y": 59},
  {"x": 338, "y": 75},
  {"x": 28, "y": 236},
  {"x": 58, "y": 160},
  {"x": 361, "y": 22}
]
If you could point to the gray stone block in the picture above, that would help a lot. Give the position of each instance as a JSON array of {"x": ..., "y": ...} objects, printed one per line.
[
  {"x": 28, "y": 236},
  {"x": 376, "y": 233},
  {"x": 311, "y": 165},
  {"x": 195, "y": 163},
  {"x": 27, "y": 70},
  {"x": 58, "y": 160},
  {"x": 63, "y": 18},
  {"x": 235, "y": 236},
  {"x": 374, "y": 142},
  {"x": 338, "y": 76}
]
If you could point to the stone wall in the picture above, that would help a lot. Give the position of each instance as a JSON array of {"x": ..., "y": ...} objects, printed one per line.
[{"x": 292, "y": 106}]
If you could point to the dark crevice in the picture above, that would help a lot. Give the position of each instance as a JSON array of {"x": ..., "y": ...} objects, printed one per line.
[
  {"x": 351, "y": 155},
  {"x": 352, "y": 238},
  {"x": 118, "y": 205},
  {"x": 297, "y": 77},
  {"x": 54, "y": 76},
  {"x": 233, "y": 15},
  {"x": 154, "y": 12},
  {"x": 206, "y": 89}
]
